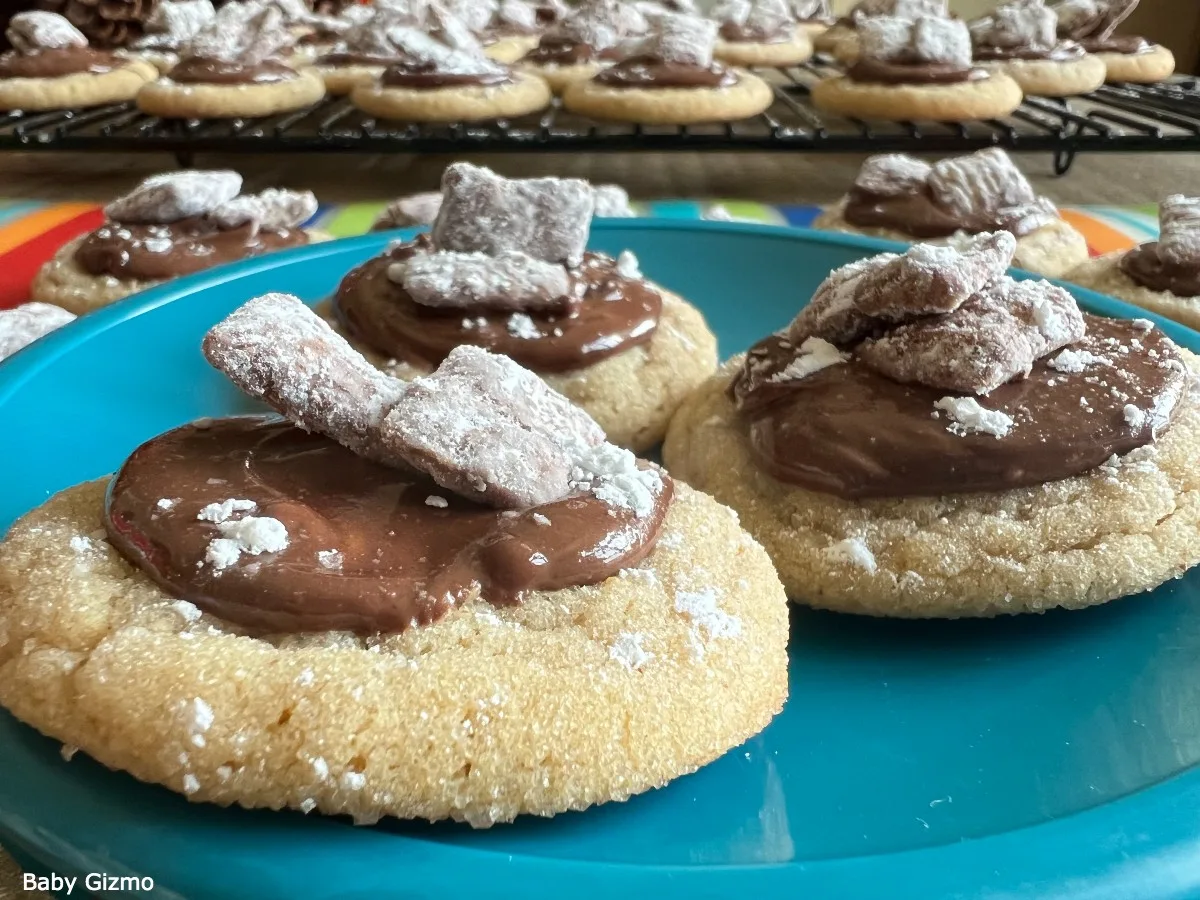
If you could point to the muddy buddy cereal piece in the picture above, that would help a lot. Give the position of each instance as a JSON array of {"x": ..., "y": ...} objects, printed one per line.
[
  {"x": 246, "y": 33},
  {"x": 892, "y": 175},
  {"x": 889, "y": 288},
  {"x": 1082, "y": 19},
  {"x": 276, "y": 349},
  {"x": 405, "y": 212},
  {"x": 900, "y": 9},
  {"x": 1179, "y": 230},
  {"x": 1017, "y": 25},
  {"x": 612, "y": 202},
  {"x": 686, "y": 40},
  {"x": 38, "y": 30},
  {"x": 985, "y": 180},
  {"x": 508, "y": 280},
  {"x": 485, "y": 428},
  {"x": 994, "y": 337},
  {"x": 24, "y": 324},
  {"x": 518, "y": 15},
  {"x": 464, "y": 56},
  {"x": 928, "y": 39},
  {"x": 482, "y": 212},
  {"x": 163, "y": 199},
  {"x": 274, "y": 209},
  {"x": 174, "y": 23}
]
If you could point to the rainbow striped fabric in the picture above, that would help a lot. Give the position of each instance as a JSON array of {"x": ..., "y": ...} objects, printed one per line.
[{"x": 30, "y": 232}]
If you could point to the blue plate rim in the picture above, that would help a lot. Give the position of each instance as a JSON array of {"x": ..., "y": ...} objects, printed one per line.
[{"x": 1064, "y": 855}]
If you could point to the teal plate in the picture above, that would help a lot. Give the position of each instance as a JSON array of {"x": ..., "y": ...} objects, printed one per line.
[{"x": 1041, "y": 756}]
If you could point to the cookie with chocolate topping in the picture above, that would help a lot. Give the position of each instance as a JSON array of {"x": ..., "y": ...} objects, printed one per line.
[
  {"x": 1162, "y": 276},
  {"x": 813, "y": 17},
  {"x": 902, "y": 198},
  {"x": 505, "y": 267},
  {"x": 363, "y": 53},
  {"x": 1021, "y": 40},
  {"x": 170, "y": 225},
  {"x": 841, "y": 40},
  {"x": 1093, "y": 23},
  {"x": 673, "y": 79},
  {"x": 233, "y": 67},
  {"x": 445, "y": 77},
  {"x": 760, "y": 33},
  {"x": 931, "y": 438},
  {"x": 393, "y": 602},
  {"x": 590, "y": 38},
  {"x": 919, "y": 69},
  {"x": 51, "y": 66},
  {"x": 168, "y": 29}
]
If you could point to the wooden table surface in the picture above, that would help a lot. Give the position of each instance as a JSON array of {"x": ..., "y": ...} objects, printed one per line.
[{"x": 1113, "y": 179}]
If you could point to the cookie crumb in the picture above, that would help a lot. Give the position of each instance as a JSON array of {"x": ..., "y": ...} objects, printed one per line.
[
  {"x": 971, "y": 418},
  {"x": 852, "y": 551},
  {"x": 191, "y": 784},
  {"x": 252, "y": 535},
  {"x": 307, "y": 805},
  {"x": 68, "y": 752},
  {"x": 1142, "y": 324},
  {"x": 1135, "y": 418},
  {"x": 223, "y": 511},
  {"x": 330, "y": 559},
  {"x": 701, "y": 607},
  {"x": 541, "y": 519},
  {"x": 189, "y": 611},
  {"x": 627, "y": 650},
  {"x": 305, "y": 678},
  {"x": 439, "y": 502},
  {"x": 354, "y": 781},
  {"x": 165, "y": 503},
  {"x": 1073, "y": 362},
  {"x": 320, "y": 768},
  {"x": 224, "y": 773},
  {"x": 627, "y": 265},
  {"x": 80, "y": 544}
]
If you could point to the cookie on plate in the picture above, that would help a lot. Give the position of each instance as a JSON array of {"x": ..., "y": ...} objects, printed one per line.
[
  {"x": 51, "y": 66},
  {"x": 1162, "y": 276},
  {"x": 232, "y": 68},
  {"x": 506, "y": 267},
  {"x": 672, "y": 80},
  {"x": 448, "y": 82},
  {"x": 294, "y": 642},
  {"x": 1020, "y": 39},
  {"x": 760, "y": 33},
  {"x": 916, "y": 70},
  {"x": 906, "y": 199},
  {"x": 930, "y": 438},
  {"x": 171, "y": 225},
  {"x": 1093, "y": 24},
  {"x": 590, "y": 38}
]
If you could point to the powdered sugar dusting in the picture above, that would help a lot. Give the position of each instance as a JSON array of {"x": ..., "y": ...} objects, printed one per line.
[
  {"x": 509, "y": 279},
  {"x": 252, "y": 535},
  {"x": 813, "y": 355},
  {"x": 627, "y": 650},
  {"x": 972, "y": 418},
  {"x": 852, "y": 551}
]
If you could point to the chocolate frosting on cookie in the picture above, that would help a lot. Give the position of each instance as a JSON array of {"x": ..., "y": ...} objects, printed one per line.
[
  {"x": 1146, "y": 266},
  {"x": 55, "y": 63},
  {"x": 418, "y": 75},
  {"x": 1066, "y": 51},
  {"x": 648, "y": 72},
  {"x": 605, "y": 313},
  {"x": 868, "y": 69},
  {"x": 201, "y": 70},
  {"x": 154, "y": 252},
  {"x": 555, "y": 51},
  {"x": 1117, "y": 43},
  {"x": 369, "y": 548}
]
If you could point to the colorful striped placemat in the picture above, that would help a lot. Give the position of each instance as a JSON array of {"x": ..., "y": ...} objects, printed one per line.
[{"x": 30, "y": 232}]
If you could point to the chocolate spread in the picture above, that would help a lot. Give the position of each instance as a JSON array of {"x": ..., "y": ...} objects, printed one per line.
[
  {"x": 397, "y": 560},
  {"x": 354, "y": 59},
  {"x": 1117, "y": 43},
  {"x": 407, "y": 75},
  {"x": 648, "y": 72},
  {"x": 557, "y": 52},
  {"x": 155, "y": 252},
  {"x": 867, "y": 69},
  {"x": 1147, "y": 268},
  {"x": 57, "y": 63},
  {"x": 920, "y": 215},
  {"x": 849, "y": 431},
  {"x": 1062, "y": 52},
  {"x": 614, "y": 314},
  {"x": 198, "y": 70}
]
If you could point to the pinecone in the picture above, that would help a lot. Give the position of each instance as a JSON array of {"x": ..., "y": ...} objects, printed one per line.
[{"x": 105, "y": 23}]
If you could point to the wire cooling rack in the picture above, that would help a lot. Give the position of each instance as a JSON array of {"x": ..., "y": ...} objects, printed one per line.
[{"x": 1119, "y": 117}]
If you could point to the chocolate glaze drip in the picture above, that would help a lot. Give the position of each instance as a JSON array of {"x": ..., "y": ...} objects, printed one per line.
[
  {"x": 1118, "y": 43},
  {"x": 646, "y": 71},
  {"x": 556, "y": 52},
  {"x": 1061, "y": 52},
  {"x": 867, "y": 69},
  {"x": 412, "y": 76},
  {"x": 57, "y": 63},
  {"x": 848, "y": 431},
  {"x": 614, "y": 314},
  {"x": 919, "y": 214},
  {"x": 198, "y": 70},
  {"x": 155, "y": 252},
  {"x": 403, "y": 562},
  {"x": 1147, "y": 268},
  {"x": 731, "y": 31}
]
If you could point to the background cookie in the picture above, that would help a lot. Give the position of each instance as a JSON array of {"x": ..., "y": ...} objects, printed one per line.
[
  {"x": 524, "y": 94},
  {"x": 567, "y": 699},
  {"x": 752, "y": 53},
  {"x": 997, "y": 95},
  {"x": 633, "y": 394},
  {"x": 1052, "y": 250},
  {"x": 670, "y": 106},
  {"x": 559, "y": 77},
  {"x": 1104, "y": 276},
  {"x": 1048, "y": 78},
  {"x": 78, "y": 90},
  {"x": 341, "y": 80},
  {"x": 1140, "y": 68},
  {"x": 215, "y": 101},
  {"x": 1077, "y": 542}
]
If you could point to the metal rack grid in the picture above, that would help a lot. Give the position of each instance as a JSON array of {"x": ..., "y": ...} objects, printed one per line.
[{"x": 1122, "y": 117}]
